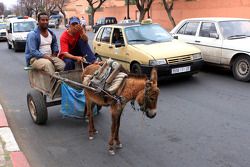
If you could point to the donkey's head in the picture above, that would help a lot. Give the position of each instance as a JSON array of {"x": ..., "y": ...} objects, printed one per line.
[{"x": 147, "y": 98}]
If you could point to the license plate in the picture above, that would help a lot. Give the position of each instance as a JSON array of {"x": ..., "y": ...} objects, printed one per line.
[{"x": 180, "y": 70}]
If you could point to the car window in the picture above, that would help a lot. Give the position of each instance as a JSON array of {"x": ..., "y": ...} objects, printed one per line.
[
  {"x": 106, "y": 35},
  {"x": 98, "y": 37},
  {"x": 117, "y": 36},
  {"x": 147, "y": 33},
  {"x": 235, "y": 28},
  {"x": 189, "y": 28},
  {"x": 182, "y": 29},
  {"x": 2, "y": 26},
  {"x": 24, "y": 26},
  {"x": 206, "y": 29}
]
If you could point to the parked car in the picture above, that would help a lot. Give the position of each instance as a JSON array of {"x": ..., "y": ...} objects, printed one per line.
[
  {"x": 222, "y": 41},
  {"x": 53, "y": 23},
  {"x": 141, "y": 46},
  {"x": 104, "y": 21},
  {"x": 3, "y": 31},
  {"x": 17, "y": 30}
]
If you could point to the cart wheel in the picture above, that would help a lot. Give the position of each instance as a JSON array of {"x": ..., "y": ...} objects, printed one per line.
[{"x": 37, "y": 107}]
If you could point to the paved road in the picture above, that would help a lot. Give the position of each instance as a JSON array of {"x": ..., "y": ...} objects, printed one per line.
[{"x": 202, "y": 121}]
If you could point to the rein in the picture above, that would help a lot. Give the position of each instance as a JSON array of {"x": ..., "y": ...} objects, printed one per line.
[{"x": 145, "y": 100}]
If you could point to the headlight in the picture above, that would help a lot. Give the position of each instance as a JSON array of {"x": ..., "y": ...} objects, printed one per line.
[
  {"x": 157, "y": 62},
  {"x": 196, "y": 56}
]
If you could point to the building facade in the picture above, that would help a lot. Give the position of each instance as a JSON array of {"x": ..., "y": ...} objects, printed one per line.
[{"x": 182, "y": 9}]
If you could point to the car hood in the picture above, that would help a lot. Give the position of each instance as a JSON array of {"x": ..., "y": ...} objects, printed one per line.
[
  {"x": 170, "y": 49},
  {"x": 3, "y": 30},
  {"x": 241, "y": 44}
]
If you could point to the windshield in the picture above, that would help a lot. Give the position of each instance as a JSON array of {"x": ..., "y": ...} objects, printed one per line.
[
  {"x": 147, "y": 33},
  {"x": 235, "y": 29},
  {"x": 2, "y": 26},
  {"x": 24, "y": 26}
]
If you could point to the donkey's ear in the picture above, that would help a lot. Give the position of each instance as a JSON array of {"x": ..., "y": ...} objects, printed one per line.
[{"x": 154, "y": 76}]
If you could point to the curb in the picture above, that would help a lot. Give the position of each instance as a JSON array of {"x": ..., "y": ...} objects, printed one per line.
[{"x": 10, "y": 145}]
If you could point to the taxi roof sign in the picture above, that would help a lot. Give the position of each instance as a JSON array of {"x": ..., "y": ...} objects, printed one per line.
[{"x": 147, "y": 21}]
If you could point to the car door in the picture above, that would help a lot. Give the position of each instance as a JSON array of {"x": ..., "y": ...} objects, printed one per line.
[
  {"x": 103, "y": 46},
  {"x": 118, "y": 48},
  {"x": 209, "y": 42},
  {"x": 187, "y": 32}
]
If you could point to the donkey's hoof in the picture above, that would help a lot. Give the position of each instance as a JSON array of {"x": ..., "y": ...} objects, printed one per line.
[
  {"x": 111, "y": 152},
  {"x": 119, "y": 146},
  {"x": 91, "y": 137}
]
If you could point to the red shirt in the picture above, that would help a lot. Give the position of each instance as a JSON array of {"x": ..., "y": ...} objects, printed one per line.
[{"x": 68, "y": 42}]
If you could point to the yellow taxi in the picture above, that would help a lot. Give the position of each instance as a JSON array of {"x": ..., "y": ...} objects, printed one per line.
[{"x": 141, "y": 46}]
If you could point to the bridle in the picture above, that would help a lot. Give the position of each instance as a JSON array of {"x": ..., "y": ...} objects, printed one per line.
[{"x": 146, "y": 99}]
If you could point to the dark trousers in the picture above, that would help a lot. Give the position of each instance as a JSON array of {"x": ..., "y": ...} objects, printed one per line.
[{"x": 81, "y": 49}]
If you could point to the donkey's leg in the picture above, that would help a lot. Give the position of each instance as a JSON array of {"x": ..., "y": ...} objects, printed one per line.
[
  {"x": 117, "y": 140},
  {"x": 90, "y": 116},
  {"x": 113, "y": 129}
]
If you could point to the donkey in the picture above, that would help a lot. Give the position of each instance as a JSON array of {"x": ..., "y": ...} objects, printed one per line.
[{"x": 136, "y": 88}]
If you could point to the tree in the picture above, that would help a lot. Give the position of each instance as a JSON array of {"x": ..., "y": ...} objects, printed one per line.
[
  {"x": 143, "y": 7},
  {"x": 60, "y": 5},
  {"x": 1, "y": 8},
  {"x": 168, "y": 5},
  {"x": 28, "y": 6},
  {"x": 93, "y": 6}
]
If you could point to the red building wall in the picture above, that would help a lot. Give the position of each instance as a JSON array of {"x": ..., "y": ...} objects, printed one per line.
[{"x": 182, "y": 9}]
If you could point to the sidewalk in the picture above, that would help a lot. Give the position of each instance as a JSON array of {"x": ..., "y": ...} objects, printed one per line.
[{"x": 10, "y": 154}]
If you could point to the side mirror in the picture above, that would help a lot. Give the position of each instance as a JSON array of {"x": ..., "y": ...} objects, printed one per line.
[
  {"x": 214, "y": 35},
  {"x": 9, "y": 31},
  {"x": 175, "y": 37}
]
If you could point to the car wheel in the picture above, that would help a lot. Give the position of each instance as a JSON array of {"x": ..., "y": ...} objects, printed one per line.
[
  {"x": 9, "y": 45},
  {"x": 14, "y": 47},
  {"x": 136, "y": 68},
  {"x": 241, "y": 68},
  {"x": 37, "y": 107}
]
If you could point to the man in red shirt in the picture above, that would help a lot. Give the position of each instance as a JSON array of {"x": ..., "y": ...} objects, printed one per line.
[{"x": 74, "y": 45}]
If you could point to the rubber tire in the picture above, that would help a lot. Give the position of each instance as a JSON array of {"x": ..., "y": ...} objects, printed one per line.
[
  {"x": 35, "y": 102},
  {"x": 235, "y": 68},
  {"x": 14, "y": 47},
  {"x": 136, "y": 68},
  {"x": 9, "y": 46}
]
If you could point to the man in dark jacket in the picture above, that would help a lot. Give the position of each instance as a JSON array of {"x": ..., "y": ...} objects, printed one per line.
[{"x": 41, "y": 48}]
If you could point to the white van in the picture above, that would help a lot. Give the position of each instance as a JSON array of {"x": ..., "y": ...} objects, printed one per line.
[{"x": 17, "y": 30}]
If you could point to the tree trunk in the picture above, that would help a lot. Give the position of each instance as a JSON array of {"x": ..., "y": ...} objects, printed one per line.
[
  {"x": 92, "y": 17},
  {"x": 142, "y": 15},
  {"x": 171, "y": 18}
]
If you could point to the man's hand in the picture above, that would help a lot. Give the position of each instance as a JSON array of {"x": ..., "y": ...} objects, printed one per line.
[
  {"x": 83, "y": 35},
  {"x": 48, "y": 57},
  {"x": 80, "y": 59}
]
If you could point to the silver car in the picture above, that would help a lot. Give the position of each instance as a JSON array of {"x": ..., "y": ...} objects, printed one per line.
[{"x": 222, "y": 41}]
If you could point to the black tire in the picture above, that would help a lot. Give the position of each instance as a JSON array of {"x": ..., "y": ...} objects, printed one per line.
[
  {"x": 37, "y": 107},
  {"x": 241, "y": 68},
  {"x": 136, "y": 68},
  {"x": 14, "y": 47},
  {"x": 9, "y": 46}
]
